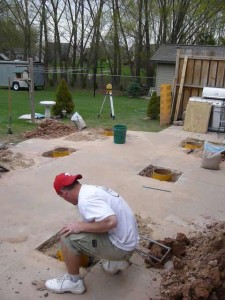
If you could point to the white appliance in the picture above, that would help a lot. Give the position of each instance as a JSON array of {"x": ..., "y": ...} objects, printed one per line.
[
  {"x": 213, "y": 93},
  {"x": 215, "y": 96}
]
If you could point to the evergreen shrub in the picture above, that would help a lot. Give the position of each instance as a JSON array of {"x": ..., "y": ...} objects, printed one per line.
[
  {"x": 64, "y": 100},
  {"x": 134, "y": 88},
  {"x": 153, "y": 109}
]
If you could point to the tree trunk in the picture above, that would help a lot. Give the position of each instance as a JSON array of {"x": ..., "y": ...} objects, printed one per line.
[
  {"x": 46, "y": 56},
  {"x": 95, "y": 41},
  {"x": 117, "y": 52},
  {"x": 138, "y": 54},
  {"x": 148, "y": 46}
]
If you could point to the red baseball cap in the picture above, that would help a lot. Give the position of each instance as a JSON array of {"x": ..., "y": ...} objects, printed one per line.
[{"x": 64, "y": 179}]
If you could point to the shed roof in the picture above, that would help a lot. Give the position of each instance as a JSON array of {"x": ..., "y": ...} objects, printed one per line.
[{"x": 167, "y": 53}]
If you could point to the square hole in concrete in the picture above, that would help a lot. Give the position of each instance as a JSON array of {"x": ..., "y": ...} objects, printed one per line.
[
  {"x": 59, "y": 152},
  {"x": 52, "y": 248},
  {"x": 160, "y": 173},
  {"x": 192, "y": 144}
]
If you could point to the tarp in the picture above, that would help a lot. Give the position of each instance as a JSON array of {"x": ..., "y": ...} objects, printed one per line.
[
  {"x": 28, "y": 116},
  {"x": 212, "y": 148}
]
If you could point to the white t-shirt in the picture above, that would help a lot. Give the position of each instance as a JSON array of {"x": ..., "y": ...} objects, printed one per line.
[{"x": 96, "y": 203}]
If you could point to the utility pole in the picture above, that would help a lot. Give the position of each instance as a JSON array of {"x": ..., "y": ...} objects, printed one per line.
[{"x": 31, "y": 88}]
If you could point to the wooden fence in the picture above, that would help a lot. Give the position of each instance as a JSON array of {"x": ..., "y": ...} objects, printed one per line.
[{"x": 193, "y": 72}]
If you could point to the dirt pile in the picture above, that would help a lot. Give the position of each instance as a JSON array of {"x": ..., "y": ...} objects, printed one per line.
[
  {"x": 144, "y": 229},
  {"x": 12, "y": 161},
  {"x": 196, "y": 266},
  {"x": 90, "y": 134},
  {"x": 50, "y": 129}
]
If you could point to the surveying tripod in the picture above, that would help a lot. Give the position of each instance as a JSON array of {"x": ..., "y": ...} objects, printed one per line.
[{"x": 109, "y": 94}]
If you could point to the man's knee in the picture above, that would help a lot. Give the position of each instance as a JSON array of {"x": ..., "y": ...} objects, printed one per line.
[
  {"x": 63, "y": 240},
  {"x": 70, "y": 244}
]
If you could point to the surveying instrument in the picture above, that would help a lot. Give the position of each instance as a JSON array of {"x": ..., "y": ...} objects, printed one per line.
[{"x": 109, "y": 95}]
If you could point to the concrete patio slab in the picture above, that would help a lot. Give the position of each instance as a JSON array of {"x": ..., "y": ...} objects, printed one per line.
[{"x": 31, "y": 212}]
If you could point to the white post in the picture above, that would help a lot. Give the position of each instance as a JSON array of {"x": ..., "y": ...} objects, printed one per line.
[{"x": 111, "y": 103}]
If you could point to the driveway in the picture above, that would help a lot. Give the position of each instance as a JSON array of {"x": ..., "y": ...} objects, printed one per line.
[{"x": 31, "y": 212}]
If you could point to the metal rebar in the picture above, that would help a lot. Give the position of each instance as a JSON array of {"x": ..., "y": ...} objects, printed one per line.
[
  {"x": 157, "y": 243},
  {"x": 148, "y": 187}
]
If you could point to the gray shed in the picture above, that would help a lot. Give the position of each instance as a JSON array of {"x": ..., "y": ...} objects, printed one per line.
[{"x": 166, "y": 55}]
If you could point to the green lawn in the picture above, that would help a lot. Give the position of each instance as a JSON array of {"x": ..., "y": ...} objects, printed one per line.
[{"x": 128, "y": 111}]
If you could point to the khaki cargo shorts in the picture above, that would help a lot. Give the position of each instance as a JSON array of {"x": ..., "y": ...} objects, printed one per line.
[{"x": 96, "y": 245}]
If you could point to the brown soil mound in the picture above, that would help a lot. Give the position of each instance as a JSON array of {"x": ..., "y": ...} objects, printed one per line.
[
  {"x": 197, "y": 265},
  {"x": 50, "y": 129},
  {"x": 90, "y": 134},
  {"x": 194, "y": 268},
  {"x": 13, "y": 161}
]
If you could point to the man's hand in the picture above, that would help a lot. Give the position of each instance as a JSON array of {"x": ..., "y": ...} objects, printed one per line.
[
  {"x": 75, "y": 227},
  {"x": 96, "y": 227}
]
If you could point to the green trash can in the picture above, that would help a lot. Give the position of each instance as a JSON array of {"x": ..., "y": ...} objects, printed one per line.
[{"x": 119, "y": 134}]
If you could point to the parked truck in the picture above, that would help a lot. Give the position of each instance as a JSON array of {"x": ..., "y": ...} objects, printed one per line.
[{"x": 18, "y": 72}]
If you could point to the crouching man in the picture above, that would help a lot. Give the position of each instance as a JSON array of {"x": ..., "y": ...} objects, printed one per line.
[{"x": 108, "y": 231}]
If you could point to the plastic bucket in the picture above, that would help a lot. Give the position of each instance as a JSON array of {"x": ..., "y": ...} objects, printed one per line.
[
  {"x": 162, "y": 174},
  {"x": 85, "y": 261},
  {"x": 119, "y": 134},
  {"x": 192, "y": 145}
]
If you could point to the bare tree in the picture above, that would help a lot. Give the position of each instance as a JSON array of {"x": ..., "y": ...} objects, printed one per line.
[
  {"x": 77, "y": 42},
  {"x": 138, "y": 48},
  {"x": 56, "y": 9},
  {"x": 147, "y": 42},
  {"x": 179, "y": 21},
  {"x": 94, "y": 49},
  {"x": 116, "y": 43},
  {"x": 126, "y": 46},
  {"x": 23, "y": 15},
  {"x": 86, "y": 32}
]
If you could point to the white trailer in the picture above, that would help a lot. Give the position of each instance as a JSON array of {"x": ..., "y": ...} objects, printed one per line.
[{"x": 18, "y": 72}]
